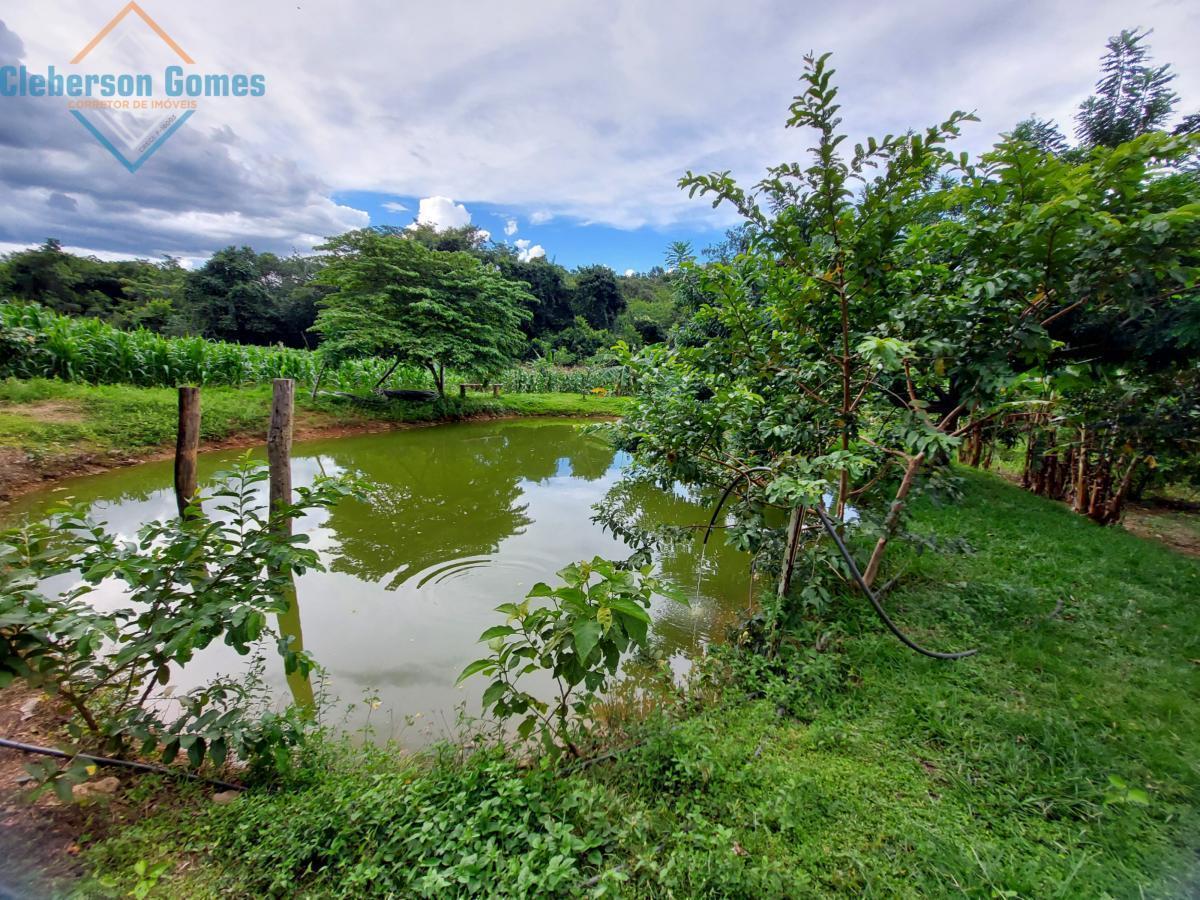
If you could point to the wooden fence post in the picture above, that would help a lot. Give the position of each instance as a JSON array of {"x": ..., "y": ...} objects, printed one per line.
[
  {"x": 187, "y": 443},
  {"x": 279, "y": 462}
]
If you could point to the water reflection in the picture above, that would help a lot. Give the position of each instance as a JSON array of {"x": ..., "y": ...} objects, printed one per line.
[{"x": 461, "y": 518}]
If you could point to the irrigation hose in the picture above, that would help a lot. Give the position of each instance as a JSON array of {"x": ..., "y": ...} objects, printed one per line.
[
  {"x": 831, "y": 529},
  {"x": 879, "y": 610},
  {"x": 119, "y": 763}
]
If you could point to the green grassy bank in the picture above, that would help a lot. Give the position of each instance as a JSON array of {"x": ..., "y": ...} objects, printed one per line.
[
  {"x": 1062, "y": 761},
  {"x": 50, "y": 428}
]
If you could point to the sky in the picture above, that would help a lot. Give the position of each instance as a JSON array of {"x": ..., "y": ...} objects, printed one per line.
[{"x": 561, "y": 127}]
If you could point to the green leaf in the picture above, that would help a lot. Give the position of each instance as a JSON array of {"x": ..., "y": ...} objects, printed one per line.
[
  {"x": 493, "y": 693},
  {"x": 587, "y": 633},
  {"x": 629, "y": 608},
  {"x": 480, "y": 665},
  {"x": 497, "y": 631}
]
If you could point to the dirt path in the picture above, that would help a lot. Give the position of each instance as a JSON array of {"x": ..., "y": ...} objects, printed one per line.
[{"x": 38, "y": 849}]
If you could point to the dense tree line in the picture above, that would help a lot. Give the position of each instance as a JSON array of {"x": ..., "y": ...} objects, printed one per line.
[{"x": 244, "y": 296}]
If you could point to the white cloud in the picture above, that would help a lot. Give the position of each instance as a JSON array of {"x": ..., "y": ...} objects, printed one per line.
[
  {"x": 482, "y": 236},
  {"x": 688, "y": 84},
  {"x": 393, "y": 206},
  {"x": 442, "y": 213},
  {"x": 523, "y": 244},
  {"x": 530, "y": 253},
  {"x": 510, "y": 227},
  {"x": 629, "y": 273}
]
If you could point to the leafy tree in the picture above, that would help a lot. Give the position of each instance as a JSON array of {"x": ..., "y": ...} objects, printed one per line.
[
  {"x": 466, "y": 239},
  {"x": 597, "y": 296},
  {"x": 395, "y": 298},
  {"x": 46, "y": 275},
  {"x": 809, "y": 389},
  {"x": 550, "y": 310},
  {"x": 1041, "y": 133},
  {"x": 1112, "y": 241},
  {"x": 228, "y": 299},
  {"x": 1132, "y": 97},
  {"x": 582, "y": 341}
]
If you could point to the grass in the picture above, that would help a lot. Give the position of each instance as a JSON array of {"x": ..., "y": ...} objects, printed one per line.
[
  {"x": 50, "y": 419},
  {"x": 1062, "y": 761}
]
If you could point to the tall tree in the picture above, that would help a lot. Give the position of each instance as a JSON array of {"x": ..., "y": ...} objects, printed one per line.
[
  {"x": 597, "y": 296},
  {"x": 547, "y": 284},
  {"x": 228, "y": 299},
  {"x": 1041, "y": 133},
  {"x": 395, "y": 298},
  {"x": 1132, "y": 97}
]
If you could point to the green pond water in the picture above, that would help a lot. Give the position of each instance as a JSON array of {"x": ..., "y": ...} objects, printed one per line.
[{"x": 460, "y": 518}]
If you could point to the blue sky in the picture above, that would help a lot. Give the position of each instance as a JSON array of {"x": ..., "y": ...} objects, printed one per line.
[
  {"x": 567, "y": 240},
  {"x": 574, "y": 118}
]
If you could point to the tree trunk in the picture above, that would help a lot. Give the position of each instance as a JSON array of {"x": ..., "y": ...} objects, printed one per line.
[
  {"x": 1112, "y": 512},
  {"x": 1080, "y": 502},
  {"x": 187, "y": 444},
  {"x": 893, "y": 518},
  {"x": 795, "y": 524},
  {"x": 317, "y": 379}
]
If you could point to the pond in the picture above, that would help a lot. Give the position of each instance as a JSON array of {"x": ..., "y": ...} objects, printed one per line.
[{"x": 461, "y": 518}]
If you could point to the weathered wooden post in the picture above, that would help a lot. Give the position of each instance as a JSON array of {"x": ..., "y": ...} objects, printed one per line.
[
  {"x": 187, "y": 444},
  {"x": 279, "y": 462}
]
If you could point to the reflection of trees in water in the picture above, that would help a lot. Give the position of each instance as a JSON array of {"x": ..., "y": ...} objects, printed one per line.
[
  {"x": 442, "y": 494},
  {"x": 716, "y": 579}
]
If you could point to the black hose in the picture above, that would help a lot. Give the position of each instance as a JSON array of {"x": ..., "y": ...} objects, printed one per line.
[
  {"x": 121, "y": 763},
  {"x": 854, "y": 572},
  {"x": 879, "y": 610}
]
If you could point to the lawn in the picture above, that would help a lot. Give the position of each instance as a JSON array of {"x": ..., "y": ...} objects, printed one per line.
[
  {"x": 1062, "y": 761},
  {"x": 50, "y": 428}
]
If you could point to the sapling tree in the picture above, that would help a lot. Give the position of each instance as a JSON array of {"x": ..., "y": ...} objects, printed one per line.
[
  {"x": 214, "y": 574},
  {"x": 395, "y": 298},
  {"x": 578, "y": 632},
  {"x": 813, "y": 386}
]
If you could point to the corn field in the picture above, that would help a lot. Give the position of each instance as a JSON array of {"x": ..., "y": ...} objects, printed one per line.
[{"x": 38, "y": 343}]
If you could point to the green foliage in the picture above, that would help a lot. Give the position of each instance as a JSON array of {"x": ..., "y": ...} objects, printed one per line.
[
  {"x": 188, "y": 582},
  {"x": 578, "y": 632},
  {"x": 1132, "y": 97},
  {"x": 257, "y": 298},
  {"x": 597, "y": 296},
  {"x": 396, "y": 299},
  {"x": 37, "y": 343},
  {"x": 124, "y": 293}
]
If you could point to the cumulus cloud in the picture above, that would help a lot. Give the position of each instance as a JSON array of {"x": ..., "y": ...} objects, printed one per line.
[
  {"x": 527, "y": 252},
  {"x": 540, "y": 217},
  {"x": 394, "y": 206},
  {"x": 629, "y": 273},
  {"x": 442, "y": 213},
  {"x": 510, "y": 227}
]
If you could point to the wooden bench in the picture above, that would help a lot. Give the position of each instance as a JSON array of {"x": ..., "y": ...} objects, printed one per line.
[{"x": 462, "y": 389}]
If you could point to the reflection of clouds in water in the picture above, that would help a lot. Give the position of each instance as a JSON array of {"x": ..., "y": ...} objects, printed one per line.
[{"x": 462, "y": 518}]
